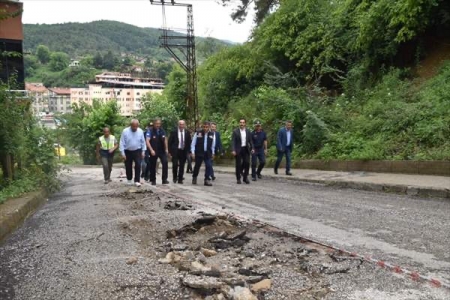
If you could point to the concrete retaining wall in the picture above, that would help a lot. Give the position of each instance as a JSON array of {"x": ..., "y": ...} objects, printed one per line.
[
  {"x": 441, "y": 168},
  {"x": 15, "y": 211}
]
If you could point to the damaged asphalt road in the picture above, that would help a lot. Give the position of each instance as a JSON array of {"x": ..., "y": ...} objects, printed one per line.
[{"x": 95, "y": 241}]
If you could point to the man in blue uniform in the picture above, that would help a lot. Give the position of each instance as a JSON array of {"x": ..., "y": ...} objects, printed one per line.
[
  {"x": 260, "y": 150},
  {"x": 158, "y": 146},
  {"x": 202, "y": 150},
  {"x": 219, "y": 147}
]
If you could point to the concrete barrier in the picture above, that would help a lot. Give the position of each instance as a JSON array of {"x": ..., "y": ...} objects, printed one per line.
[
  {"x": 440, "y": 168},
  {"x": 14, "y": 211}
]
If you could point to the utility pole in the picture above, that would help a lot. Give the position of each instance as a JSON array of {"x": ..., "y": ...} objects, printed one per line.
[{"x": 185, "y": 43}]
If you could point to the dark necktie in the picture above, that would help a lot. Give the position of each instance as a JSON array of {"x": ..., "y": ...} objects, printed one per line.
[{"x": 182, "y": 140}]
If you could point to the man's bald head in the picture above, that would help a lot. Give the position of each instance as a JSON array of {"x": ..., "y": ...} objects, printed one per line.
[{"x": 134, "y": 125}]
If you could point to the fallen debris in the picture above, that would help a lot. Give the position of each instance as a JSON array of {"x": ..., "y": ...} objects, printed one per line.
[
  {"x": 132, "y": 260},
  {"x": 178, "y": 205}
]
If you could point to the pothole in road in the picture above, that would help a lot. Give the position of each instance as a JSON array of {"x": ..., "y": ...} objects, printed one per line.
[{"x": 218, "y": 257}]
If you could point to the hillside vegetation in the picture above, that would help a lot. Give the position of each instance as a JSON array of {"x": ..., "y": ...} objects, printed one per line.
[
  {"x": 80, "y": 39},
  {"x": 346, "y": 72}
]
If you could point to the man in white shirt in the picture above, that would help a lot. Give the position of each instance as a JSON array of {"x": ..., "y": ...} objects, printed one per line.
[
  {"x": 132, "y": 148},
  {"x": 242, "y": 145},
  {"x": 179, "y": 147}
]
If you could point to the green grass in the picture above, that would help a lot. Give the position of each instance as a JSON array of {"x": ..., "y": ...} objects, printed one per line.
[{"x": 17, "y": 188}]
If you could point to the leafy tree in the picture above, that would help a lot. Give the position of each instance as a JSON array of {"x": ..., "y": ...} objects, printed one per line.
[
  {"x": 59, "y": 61},
  {"x": 87, "y": 61},
  {"x": 158, "y": 106},
  {"x": 31, "y": 63},
  {"x": 109, "y": 61},
  {"x": 176, "y": 90},
  {"x": 98, "y": 60},
  {"x": 85, "y": 124},
  {"x": 262, "y": 9},
  {"x": 43, "y": 54}
]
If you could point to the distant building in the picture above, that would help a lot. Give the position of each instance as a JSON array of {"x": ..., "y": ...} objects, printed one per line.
[
  {"x": 74, "y": 63},
  {"x": 11, "y": 37},
  {"x": 59, "y": 100},
  {"x": 127, "y": 90},
  {"x": 39, "y": 95}
]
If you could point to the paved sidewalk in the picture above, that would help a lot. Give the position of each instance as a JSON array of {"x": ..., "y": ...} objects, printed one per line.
[{"x": 420, "y": 185}]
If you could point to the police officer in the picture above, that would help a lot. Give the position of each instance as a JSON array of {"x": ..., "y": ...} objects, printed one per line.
[
  {"x": 158, "y": 146},
  {"x": 203, "y": 150},
  {"x": 259, "y": 138}
]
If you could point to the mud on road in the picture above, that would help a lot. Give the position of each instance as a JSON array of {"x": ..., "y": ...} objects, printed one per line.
[{"x": 116, "y": 242}]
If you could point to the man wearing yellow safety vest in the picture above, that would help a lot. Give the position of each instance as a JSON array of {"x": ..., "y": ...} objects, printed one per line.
[{"x": 106, "y": 146}]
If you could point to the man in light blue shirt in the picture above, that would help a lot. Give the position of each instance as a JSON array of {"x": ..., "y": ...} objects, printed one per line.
[{"x": 132, "y": 148}]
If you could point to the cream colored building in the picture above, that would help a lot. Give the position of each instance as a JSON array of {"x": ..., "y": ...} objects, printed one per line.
[
  {"x": 127, "y": 90},
  {"x": 59, "y": 100},
  {"x": 39, "y": 95}
]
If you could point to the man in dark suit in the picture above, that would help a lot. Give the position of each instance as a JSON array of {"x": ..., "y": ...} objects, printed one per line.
[
  {"x": 202, "y": 150},
  {"x": 242, "y": 145},
  {"x": 179, "y": 147},
  {"x": 219, "y": 147},
  {"x": 285, "y": 142}
]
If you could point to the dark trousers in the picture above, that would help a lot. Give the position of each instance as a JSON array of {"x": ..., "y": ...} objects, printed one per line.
[
  {"x": 242, "y": 163},
  {"x": 146, "y": 171},
  {"x": 288, "y": 159},
  {"x": 198, "y": 163},
  {"x": 133, "y": 156},
  {"x": 178, "y": 162},
  {"x": 258, "y": 155},
  {"x": 153, "y": 159},
  {"x": 189, "y": 164},
  {"x": 107, "y": 162}
]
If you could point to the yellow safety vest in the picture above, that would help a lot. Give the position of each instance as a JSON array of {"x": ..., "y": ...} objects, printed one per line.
[{"x": 105, "y": 145}]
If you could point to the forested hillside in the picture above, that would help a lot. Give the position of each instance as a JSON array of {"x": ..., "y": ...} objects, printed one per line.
[
  {"x": 349, "y": 73},
  {"x": 78, "y": 39}
]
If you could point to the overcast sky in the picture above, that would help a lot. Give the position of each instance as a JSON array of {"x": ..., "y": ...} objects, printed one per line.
[{"x": 210, "y": 18}]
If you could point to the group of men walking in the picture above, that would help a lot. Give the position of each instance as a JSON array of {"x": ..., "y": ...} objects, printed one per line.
[{"x": 248, "y": 148}]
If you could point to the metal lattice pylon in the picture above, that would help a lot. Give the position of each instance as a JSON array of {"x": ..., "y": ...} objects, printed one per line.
[{"x": 172, "y": 40}]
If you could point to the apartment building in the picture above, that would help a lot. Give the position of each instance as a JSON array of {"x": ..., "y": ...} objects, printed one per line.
[
  {"x": 59, "y": 100},
  {"x": 39, "y": 95},
  {"x": 11, "y": 37},
  {"x": 127, "y": 90}
]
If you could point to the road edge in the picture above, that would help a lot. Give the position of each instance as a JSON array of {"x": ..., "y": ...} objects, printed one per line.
[
  {"x": 21, "y": 212},
  {"x": 367, "y": 186}
]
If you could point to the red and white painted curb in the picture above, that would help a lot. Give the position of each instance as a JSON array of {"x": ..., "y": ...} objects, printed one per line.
[{"x": 416, "y": 276}]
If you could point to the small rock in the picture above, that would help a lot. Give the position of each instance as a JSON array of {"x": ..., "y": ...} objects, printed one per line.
[
  {"x": 196, "y": 266},
  {"x": 204, "y": 283},
  {"x": 242, "y": 293},
  {"x": 170, "y": 258},
  {"x": 201, "y": 258},
  {"x": 208, "y": 252},
  {"x": 132, "y": 260},
  {"x": 263, "y": 285},
  {"x": 237, "y": 235},
  {"x": 254, "y": 279},
  {"x": 234, "y": 282},
  {"x": 249, "y": 253},
  {"x": 180, "y": 247},
  {"x": 207, "y": 219}
]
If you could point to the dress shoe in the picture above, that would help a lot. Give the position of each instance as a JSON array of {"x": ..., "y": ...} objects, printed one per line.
[
  {"x": 208, "y": 183},
  {"x": 289, "y": 173},
  {"x": 259, "y": 176},
  {"x": 175, "y": 180},
  {"x": 153, "y": 182},
  {"x": 275, "y": 171},
  {"x": 213, "y": 178},
  {"x": 165, "y": 182},
  {"x": 246, "y": 181},
  {"x": 239, "y": 181},
  {"x": 253, "y": 178},
  {"x": 180, "y": 181},
  {"x": 194, "y": 180}
]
